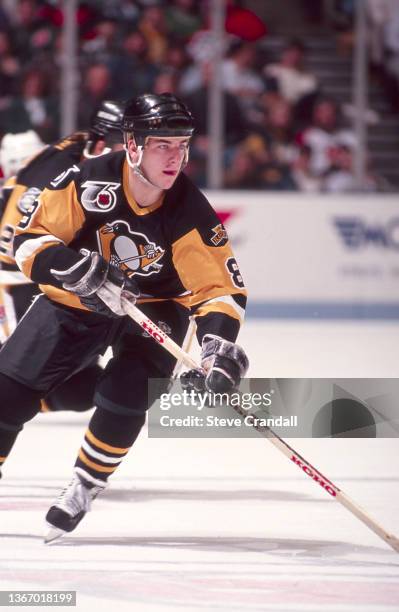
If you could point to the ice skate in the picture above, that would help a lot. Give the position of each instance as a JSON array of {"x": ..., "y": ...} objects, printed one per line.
[{"x": 70, "y": 507}]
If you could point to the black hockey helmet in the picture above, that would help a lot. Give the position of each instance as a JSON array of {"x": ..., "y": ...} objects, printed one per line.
[
  {"x": 108, "y": 117},
  {"x": 156, "y": 115},
  {"x": 106, "y": 124}
]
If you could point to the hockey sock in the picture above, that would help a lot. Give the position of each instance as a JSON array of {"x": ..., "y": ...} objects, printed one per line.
[
  {"x": 19, "y": 404},
  {"x": 107, "y": 441},
  {"x": 7, "y": 439}
]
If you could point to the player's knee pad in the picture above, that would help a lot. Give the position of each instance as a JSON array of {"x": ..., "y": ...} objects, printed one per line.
[
  {"x": 19, "y": 403},
  {"x": 77, "y": 393},
  {"x": 129, "y": 385}
]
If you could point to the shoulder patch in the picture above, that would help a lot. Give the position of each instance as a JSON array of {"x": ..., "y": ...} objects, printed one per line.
[
  {"x": 99, "y": 196},
  {"x": 218, "y": 235},
  {"x": 26, "y": 200}
]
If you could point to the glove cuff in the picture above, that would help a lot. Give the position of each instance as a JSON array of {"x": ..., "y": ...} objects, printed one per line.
[
  {"x": 213, "y": 346},
  {"x": 86, "y": 276}
]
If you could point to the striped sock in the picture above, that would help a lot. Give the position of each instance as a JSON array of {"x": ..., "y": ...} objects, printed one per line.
[{"x": 97, "y": 460}]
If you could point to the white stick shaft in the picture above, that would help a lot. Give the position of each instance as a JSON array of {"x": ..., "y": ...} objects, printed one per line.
[
  {"x": 280, "y": 444},
  {"x": 158, "y": 335},
  {"x": 186, "y": 346}
]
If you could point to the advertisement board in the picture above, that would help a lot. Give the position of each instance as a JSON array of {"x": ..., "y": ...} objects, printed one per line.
[{"x": 314, "y": 255}]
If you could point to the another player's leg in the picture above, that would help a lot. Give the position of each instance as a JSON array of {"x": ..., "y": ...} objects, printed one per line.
[
  {"x": 19, "y": 404},
  {"x": 122, "y": 401},
  {"x": 14, "y": 302},
  {"x": 48, "y": 346},
  {"x": 77, "y": 393}
]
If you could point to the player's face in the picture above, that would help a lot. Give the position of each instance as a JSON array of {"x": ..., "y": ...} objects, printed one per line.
[{"x": 162, "y": 160}]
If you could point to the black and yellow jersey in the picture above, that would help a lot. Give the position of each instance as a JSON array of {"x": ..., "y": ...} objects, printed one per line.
[
  {"x": 20, "y": 191},
  {"x": 175, "y": 249}
]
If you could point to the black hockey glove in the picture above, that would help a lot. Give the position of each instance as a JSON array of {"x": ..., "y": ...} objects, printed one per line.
[
  {"x": 98, "y": 284},
  {"x": 224, "y": 364}
]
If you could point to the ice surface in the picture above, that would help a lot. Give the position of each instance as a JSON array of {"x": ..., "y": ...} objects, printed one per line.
[{"x": 218, "y": 524}]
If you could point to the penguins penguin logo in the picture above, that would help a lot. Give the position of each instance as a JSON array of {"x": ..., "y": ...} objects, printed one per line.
[{"x": 131, "y": 251}]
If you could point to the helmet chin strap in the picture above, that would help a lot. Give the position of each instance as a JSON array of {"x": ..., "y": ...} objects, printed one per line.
[
  {"x": 136, "y": 166},
  {"x": 88, "y": 155}
]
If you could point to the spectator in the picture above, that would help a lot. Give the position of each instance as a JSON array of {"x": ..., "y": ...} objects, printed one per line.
[
  {"x": 165, "y": 81},
  {"x": 4, "y": 19},
  {"x": 322, "y": 134},
  {"x": 340, "y": 177},
  {"x": 240, "y": 78},
  {"x": 235, "y": 124},
  {"x": 253, "y": 167},
  {"x": 182, "y": 19},
  {"x": 133, "y": 73},
  {"x": 294, "y": 82},
  {"x": 392, "y": 59},
  {"x": 9, "y": 66},
  {"x": 35, "y": 108},
  {"x": 302, "y": 174},
  {"x": 26, "y": 20},
  {"x": 379, "y": 14},
  {"x": 242, "y": 171},
  {"x": 278, "y": 132},
  {"x": 124, "y": 11},
  {"x": 96, "y": 88},
  {"x": 201, "y": 49},
  {"x": 238, "y": 71},
  {"x": 103, "y": 44},
  {"x": 152, "y": 25},
  {"x": 176, "y": 58}
]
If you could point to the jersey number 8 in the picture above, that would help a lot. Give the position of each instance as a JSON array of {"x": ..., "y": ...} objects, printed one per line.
[{"x": 232, "y": 266}]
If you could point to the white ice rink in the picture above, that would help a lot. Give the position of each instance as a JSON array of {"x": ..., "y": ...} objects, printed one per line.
[{"x": 219, "y": 524}]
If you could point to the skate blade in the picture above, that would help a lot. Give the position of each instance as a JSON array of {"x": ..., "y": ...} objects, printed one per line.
[{"x": 53, "y": 534}]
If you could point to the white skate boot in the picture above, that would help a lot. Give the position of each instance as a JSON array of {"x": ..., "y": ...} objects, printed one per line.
[{"x": 70, "y": 507}]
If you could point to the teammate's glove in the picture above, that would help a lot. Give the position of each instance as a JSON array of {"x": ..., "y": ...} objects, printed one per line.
[
  {"x": 98, "y": 284},
  {"x": 223, "y": 363}
]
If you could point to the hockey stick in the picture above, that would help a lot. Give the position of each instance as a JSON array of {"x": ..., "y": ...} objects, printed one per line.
[
  {"x": 186, "y": 346},
  {"x": 173, "y": 348}
]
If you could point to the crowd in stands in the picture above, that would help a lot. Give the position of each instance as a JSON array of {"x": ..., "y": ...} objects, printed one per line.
[{"x": 280, "y": 131}]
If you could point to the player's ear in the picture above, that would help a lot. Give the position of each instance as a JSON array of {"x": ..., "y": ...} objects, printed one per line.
[
  {"x": 131, "y": 145},
  {"x": 132, "y": 150}
]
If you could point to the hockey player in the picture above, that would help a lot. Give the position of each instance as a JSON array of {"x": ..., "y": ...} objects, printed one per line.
[
  {"x": 127, "y": 224},
  {"x": 15, "y": 151},
  {"x": 19, "y": 192}
]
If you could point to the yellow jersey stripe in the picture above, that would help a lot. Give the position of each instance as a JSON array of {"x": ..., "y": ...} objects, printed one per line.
[
  {"x": 27, "y": 252},
  {"x": 218, "y": 307}
]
